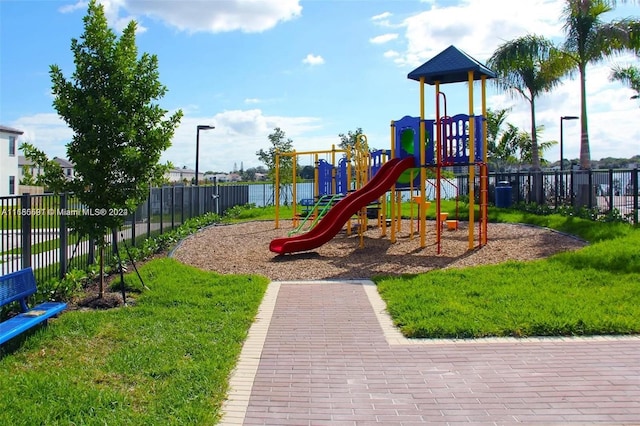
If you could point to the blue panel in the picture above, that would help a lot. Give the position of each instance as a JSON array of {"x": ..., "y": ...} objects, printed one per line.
[
  {"x": 479, "y": 139},
  {"x": 403, "y": 127},
  {"x": 341, "y": 177},
  {"x": 325, "y": 178}
]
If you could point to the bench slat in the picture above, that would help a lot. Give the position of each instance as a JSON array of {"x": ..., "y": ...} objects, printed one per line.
[{"x": 24, "y": 321}]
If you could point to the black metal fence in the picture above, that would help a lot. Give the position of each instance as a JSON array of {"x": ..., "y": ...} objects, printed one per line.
[
  {"x": 34, "y": 228},
  {"x": 601, "y": 190},
  {"x": 604, "y": 190}
]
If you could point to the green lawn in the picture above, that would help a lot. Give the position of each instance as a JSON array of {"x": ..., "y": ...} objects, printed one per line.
[
  {"x": 163, "y": 360},
  {"x": 595, "y": 290}
]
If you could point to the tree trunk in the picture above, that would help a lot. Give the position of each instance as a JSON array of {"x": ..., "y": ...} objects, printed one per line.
[
  {"x": 538, "y": 196},
  {"x": 585, "y": 153},
  {"x": 101, "y": 282}
]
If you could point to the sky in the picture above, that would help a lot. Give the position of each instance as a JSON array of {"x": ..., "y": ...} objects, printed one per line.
[{"x": 313, "y": 68}]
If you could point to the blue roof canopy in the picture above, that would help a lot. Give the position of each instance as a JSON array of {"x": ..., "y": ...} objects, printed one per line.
[{"x": 452, "y": 65}]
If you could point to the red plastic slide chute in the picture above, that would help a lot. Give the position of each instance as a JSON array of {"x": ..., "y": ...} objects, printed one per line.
[{"x": 339, "y": 214}]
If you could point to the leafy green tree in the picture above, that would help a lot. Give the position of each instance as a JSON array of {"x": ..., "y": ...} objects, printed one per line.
[
  {"x": 590, "y": 40},
  {"x": 119, "y": 130},
  {"x": 279, "y": 144},
  {"x": 51, "y": 176},
  {"x": 307, "y": 172},
  {"x": 27, "y": 177},
  {"x": 528, "y": 66},
  {"x": 348, "y": 141}
]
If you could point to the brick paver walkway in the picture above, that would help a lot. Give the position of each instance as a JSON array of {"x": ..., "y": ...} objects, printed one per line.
[{"x": 321, "y": 353}]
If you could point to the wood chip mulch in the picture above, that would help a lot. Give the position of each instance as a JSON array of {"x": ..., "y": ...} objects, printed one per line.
[{"x": 244, "y": 249}]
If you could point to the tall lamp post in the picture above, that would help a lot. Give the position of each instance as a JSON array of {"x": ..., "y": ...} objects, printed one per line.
[
  {"x": 200, "y": 127},
  {"x": 197, "y": 197},
  {"x": 565, "y": 117}
]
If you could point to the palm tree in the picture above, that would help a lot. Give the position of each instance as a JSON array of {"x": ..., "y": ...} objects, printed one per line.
[
  {"x": 502, "y": 143},
  {"x": 525, "y": 144},
  {"x": 628, "y": 75},
  {"x": 527, "y": 66},
  {"x": 589, "y": 40}
]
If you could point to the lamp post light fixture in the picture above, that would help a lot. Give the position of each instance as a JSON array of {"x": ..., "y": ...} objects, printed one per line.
[
  {"x": 565, "y": 117},
  {"x": 200, "y": 127}
]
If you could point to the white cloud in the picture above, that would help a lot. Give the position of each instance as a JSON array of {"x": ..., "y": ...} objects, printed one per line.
[
  {"x": 381, "y": 17},
  {"x": 199, "y": 16},
  {"x": 391, "y": 54},
  {"x": 69, "y": 8},
  {"x": 431, "y": 31},
  {"x": 218, "y": 16},
  {"x": 384, "y": 38},
  {"x": 47, "y": 131},
  {"x": 238, "y": 135},
  {"x": 311, "y": 59},
  {"x": 252, "y": 101}
]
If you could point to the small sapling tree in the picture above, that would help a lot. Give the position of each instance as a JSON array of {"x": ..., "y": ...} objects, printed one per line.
[{"x": 119, "y": 130}]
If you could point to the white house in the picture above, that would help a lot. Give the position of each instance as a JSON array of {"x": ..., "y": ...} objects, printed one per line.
[
  {"x": 67, "y": 167},
  {"x": 9, "y": 170},
  {"x": 26, "y": 165},
  {"x": 182, "y": 175}
]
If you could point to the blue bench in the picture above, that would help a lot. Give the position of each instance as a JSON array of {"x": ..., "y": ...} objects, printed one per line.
[{"x": 18, "y": 286}]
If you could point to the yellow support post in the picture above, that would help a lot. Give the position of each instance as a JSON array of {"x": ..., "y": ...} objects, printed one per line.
[
  {"x": 485, "y": 159},
  {"x": 294, "y": 192},
  {"x": 422, "y": 165},
  {"x": 472, "y": 168}
]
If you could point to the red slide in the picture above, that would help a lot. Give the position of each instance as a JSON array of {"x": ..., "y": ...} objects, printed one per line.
[{"x": 339, "y": 214}]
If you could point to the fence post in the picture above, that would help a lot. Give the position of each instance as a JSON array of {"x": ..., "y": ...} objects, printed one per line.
[
  {"x": 26, "y": 230},
  {"x": 572, "y": 189},
  {"x": 62, "y": 229},
  {"x": 555, "y": 189},
  {"x": 610, "y": 190},
  {"x": 216, "y": 195},
  {"x": 161, "y": 189},
  {"x": 634, "y": 185},
  {"x": 149, "y": 213},
  {"x": 133, "y": 229},
  {"x": 173, "y": 207},
  {"x": 590, "y": 183}
]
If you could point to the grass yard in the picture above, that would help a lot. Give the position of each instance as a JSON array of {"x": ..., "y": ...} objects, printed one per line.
[
  {"x": 595, "y": 290},
  {"x": 163, "y": 360}
]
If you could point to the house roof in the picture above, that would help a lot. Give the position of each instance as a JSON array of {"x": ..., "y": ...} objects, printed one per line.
[
  {"x": 452, "y": 65},
  {"x": 64, "y": 163},
  {"x": 5, "y": 129},
  {"x": 23, "y": 161}
]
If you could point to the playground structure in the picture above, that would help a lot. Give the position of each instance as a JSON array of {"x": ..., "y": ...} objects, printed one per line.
[{"x": 416, "y": 144}]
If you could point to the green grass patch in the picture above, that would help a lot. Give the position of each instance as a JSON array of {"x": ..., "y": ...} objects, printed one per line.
[
  {"x": 592, "y": 291},
  {"x": 514, "y": 299},
  {"x": 163, "y": 360}
]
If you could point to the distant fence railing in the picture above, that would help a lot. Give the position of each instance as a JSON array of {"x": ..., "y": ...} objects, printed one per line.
[
  {"x": 604, "y": 190},
  {"x": 34, "y": 228}
]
